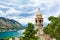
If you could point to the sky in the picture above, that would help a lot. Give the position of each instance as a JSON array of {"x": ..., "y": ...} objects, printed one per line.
[{"x": 24, "y": 11}]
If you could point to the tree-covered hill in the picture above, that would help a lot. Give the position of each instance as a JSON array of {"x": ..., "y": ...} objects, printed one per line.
[{"x": 9, "y": 25}]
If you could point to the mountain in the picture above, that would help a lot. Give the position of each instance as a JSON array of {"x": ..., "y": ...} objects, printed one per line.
[{"x": 9, "y": 25}]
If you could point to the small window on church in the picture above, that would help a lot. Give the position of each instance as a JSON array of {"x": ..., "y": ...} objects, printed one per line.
[{"x": 40, "y": 21}]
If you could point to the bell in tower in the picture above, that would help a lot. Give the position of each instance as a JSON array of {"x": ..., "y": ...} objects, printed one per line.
[{"x": 39, "y": 19}]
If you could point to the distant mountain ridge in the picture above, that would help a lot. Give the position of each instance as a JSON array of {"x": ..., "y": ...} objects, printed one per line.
[{"x": 9, "y": 25}]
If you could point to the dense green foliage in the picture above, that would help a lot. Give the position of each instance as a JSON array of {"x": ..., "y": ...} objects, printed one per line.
[
  {"x": 53, "y": 28},
  {"x": 13, "y": 38},
  {"x": 29, "y": 33},
  {"x": 6, "y": 39}
]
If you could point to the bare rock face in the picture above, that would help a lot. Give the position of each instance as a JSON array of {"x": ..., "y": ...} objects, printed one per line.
[{"x": 9, "y": 25}]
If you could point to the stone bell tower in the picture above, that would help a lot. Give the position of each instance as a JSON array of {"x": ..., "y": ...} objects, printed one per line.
[{"x": 39, "y": 25}]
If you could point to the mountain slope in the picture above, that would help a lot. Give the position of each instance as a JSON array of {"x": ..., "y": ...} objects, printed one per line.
[{"x": 9, "y": 25}]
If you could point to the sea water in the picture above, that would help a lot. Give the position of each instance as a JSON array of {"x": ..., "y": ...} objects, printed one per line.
[{"x": 8, "y": 34}]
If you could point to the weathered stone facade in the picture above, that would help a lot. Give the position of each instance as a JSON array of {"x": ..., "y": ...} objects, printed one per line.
[{"x": 39, "y": 26}]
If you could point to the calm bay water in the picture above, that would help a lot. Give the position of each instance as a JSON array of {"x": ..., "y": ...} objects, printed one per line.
[{"x": 10, "y": 34}]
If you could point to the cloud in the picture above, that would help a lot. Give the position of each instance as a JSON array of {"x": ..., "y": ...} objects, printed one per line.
[
  {"x": 2, "y": 14},
  {"x": 13, "y": 11},
  {"x": 24, "y": 20},
  {"x": 24, "y": 11}
]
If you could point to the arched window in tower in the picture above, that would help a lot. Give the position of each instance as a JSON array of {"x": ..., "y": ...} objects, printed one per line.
[{"x": 40, "y": 20}]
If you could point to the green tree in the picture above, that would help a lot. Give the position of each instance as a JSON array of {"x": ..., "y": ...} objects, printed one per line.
[
  {"x": 29, "y": 33},
  {"x": 13, "y": 38},
  {"x": 6, "y": 39},
  {"x": 53, "y": 28}
]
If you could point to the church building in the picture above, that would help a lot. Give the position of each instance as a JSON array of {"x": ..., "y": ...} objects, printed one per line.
[{"x": 39, "y": 26}]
